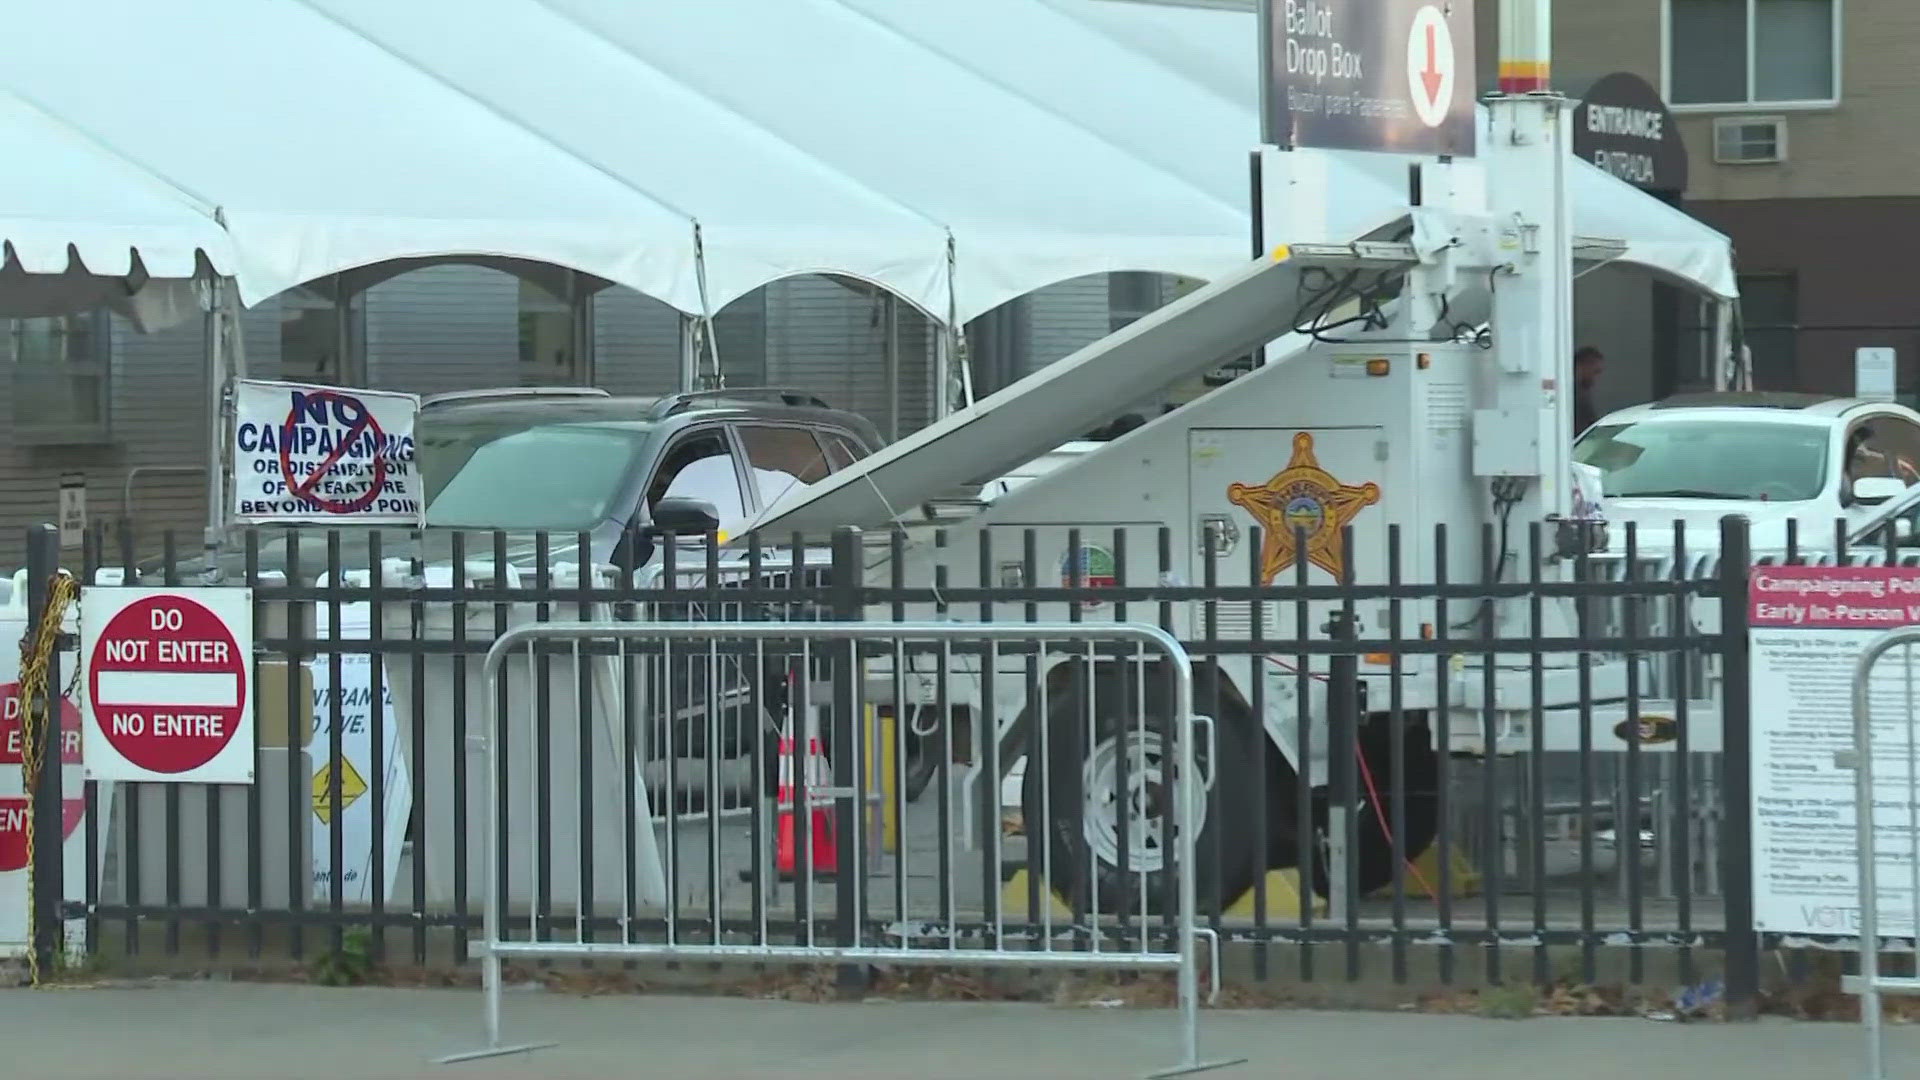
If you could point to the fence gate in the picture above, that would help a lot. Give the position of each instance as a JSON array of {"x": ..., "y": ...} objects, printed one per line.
[
  {"x": 672, "y": 871},
  {"x": 1886, "y": 775}
]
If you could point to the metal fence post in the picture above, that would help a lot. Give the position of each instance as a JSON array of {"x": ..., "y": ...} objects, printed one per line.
[
  {"x": 43, "y": 740},
  {"x": 1736, "y": 849},
  {"x": 1343, "y": 748},
  {"x": 844, "y": 602}
]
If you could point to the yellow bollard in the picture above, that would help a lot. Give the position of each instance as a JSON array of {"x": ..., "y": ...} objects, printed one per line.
[
  {"x": 884, "y": 729},
  {"x": 1463, "y": 879},
  {"x": 1013, "y": 897},
  {"x": 1285, "y": 898}
]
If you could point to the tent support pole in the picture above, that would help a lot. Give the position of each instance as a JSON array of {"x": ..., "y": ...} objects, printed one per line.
[
  {"x": 706, "y": 340},
  {"x": 226, "y": 361},
  {"x": 952, "y": 374},
  {"x": 352, "y": 370},
  {"x": 689, "y": 355},
  {"x": 1726, "y": 373},
  {"x": 890, "y": 321},
  {"x": 942, "y": 379},
  {"x": 580, "y": 306}
]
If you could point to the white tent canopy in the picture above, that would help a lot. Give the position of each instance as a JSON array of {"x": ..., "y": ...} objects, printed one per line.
[
  {"x": 1032, "y": 196},
  {"x": 82, "y": 228},
  {"x": 693, "y": 150},
  {"x": 767, "y": 208},
  {"x": 324, "y": 153}
]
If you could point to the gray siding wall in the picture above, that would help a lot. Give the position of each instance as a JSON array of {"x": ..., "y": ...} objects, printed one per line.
[
  {"x": 158, "y": 417},
  {"x": 443, "y": 328},
  {"x": 1065, "y": 319},
  {"x": 636, "y": 343},
  {"x": 448, "y": 327},
  {"x": 830, "y": 339}
]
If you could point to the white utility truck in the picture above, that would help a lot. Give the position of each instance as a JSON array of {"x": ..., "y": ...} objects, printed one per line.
[{"x": 1442, "y": 400}]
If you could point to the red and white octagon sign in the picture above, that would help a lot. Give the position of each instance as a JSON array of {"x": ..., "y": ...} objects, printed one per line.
[
  {"x": 14, "y": 808},
  {"x": 169, "y": 684}
]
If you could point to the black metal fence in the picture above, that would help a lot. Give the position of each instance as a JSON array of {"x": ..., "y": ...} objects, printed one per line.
[{"x": 1498, "y": 755}]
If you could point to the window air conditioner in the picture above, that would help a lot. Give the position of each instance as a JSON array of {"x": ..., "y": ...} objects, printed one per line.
[{"x": 1749, "y": 140}]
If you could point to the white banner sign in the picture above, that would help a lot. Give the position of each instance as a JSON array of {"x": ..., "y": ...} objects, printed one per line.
[
  {"x": 357, "y": 769},
  {"x": 324, "y": 454},
  {"x": 1810, "y": 625}
]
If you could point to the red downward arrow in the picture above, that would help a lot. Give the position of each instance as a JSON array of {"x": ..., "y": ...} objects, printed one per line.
[{"x": 1431, "y": 77}]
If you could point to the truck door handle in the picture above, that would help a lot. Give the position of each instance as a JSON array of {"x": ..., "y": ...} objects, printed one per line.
[{"x": 1218, "y": 535}]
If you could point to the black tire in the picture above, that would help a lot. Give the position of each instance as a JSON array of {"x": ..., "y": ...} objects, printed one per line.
[
  {"x": 1421, "y": 801},
  {"x": 1227, "y": 861}
]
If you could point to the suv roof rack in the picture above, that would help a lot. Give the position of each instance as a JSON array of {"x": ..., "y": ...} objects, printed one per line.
[
  {"x": 673, "y": 403},
  {"x": 504, "y": 393},
  {"x": 1748, "y": 399}
]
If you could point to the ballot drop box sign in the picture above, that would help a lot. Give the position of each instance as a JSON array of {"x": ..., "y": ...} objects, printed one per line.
[{"x": 168, "y": 682}]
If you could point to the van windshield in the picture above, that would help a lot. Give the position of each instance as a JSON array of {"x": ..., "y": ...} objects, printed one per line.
[
  {"x": 562, "y": 477},
  {"x": 1707, "y": 459}
]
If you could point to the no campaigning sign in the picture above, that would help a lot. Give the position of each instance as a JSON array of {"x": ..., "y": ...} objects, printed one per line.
[
  {"x": 323, "y": 454},
  {"x": 168, "y": 678}
]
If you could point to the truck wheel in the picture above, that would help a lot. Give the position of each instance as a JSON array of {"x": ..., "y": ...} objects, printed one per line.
[
  {"x": 1088, "y": 802},
  {"x": 1421, "y": 803}
]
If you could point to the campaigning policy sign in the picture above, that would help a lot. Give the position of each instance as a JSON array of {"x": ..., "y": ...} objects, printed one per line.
[
  {"x": 1809, "y": 627},
  {"x": 322, "y": 454}
]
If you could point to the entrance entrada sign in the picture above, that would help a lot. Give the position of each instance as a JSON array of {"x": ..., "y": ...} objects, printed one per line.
[
  {"x": 1389, "y": 75},
  {"x": 1623, "y": 127}
]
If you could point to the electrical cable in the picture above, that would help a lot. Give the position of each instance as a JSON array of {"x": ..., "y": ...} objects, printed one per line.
[
  {"x": 1386, "y": 830},
  {"x": 1507, "y": 492},
  {"x": 1336, "y": 294},
  {"x": 1373, "y": 790}
]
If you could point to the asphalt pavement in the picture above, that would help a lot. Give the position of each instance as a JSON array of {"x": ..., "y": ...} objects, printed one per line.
[{"x": 229, "y": 1031}]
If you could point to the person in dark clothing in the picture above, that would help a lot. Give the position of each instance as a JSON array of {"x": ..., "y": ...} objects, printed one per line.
[{"x": 1588, "y": 363}]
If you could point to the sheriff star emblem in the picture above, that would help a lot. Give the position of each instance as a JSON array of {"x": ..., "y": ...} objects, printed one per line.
[{"x": 1302, "y": 498}]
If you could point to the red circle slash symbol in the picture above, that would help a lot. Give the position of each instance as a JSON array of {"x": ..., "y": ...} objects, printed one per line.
[{"x": 362, "y": 423}]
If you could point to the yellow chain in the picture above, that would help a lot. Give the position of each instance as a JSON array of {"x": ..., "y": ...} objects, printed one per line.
[{"x": 36, "y": 655}]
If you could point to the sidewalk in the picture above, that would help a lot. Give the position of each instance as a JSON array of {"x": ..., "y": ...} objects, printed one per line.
[{"x": 230, "y": 1031}]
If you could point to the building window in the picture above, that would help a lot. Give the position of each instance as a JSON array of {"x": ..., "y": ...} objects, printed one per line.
[
  {"x": 1131, "y": 294},
  {"x": 1769, "y": 317},
  {"x": 62, "y": 384},
  {"x": 311, "y": 349},
  {"x": 1752, "y": 52},
  {"x": 547, "y": 353}
]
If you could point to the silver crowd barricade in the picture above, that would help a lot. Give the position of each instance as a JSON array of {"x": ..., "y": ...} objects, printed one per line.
[
  {"x": 898, "y": 892},
  {"x": 1870, "y": 984}
]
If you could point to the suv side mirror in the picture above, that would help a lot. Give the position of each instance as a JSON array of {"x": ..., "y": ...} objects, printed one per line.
[
  {"x": 1869, "y": 490},
  {"x": 679, "y": 516}
]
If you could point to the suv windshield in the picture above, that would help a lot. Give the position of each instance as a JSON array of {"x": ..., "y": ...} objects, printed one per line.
[
  {"x": 1708, "y": 459},
  {"x": 548, "y": 476}
]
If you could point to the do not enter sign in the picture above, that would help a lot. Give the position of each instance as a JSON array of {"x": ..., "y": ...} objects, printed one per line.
[
  {"x": 15, "y": 808},
  {"x": 169, "y": 684}
]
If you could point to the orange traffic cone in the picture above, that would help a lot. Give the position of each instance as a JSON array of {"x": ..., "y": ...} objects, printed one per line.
[{"x": 825, "y": 853}]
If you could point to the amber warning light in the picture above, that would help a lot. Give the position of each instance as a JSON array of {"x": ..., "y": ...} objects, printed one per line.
[{"x": 1383, "y": 659}]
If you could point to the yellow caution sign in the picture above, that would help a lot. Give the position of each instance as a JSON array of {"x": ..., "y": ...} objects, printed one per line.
[{"x": 351, "y": 788}]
